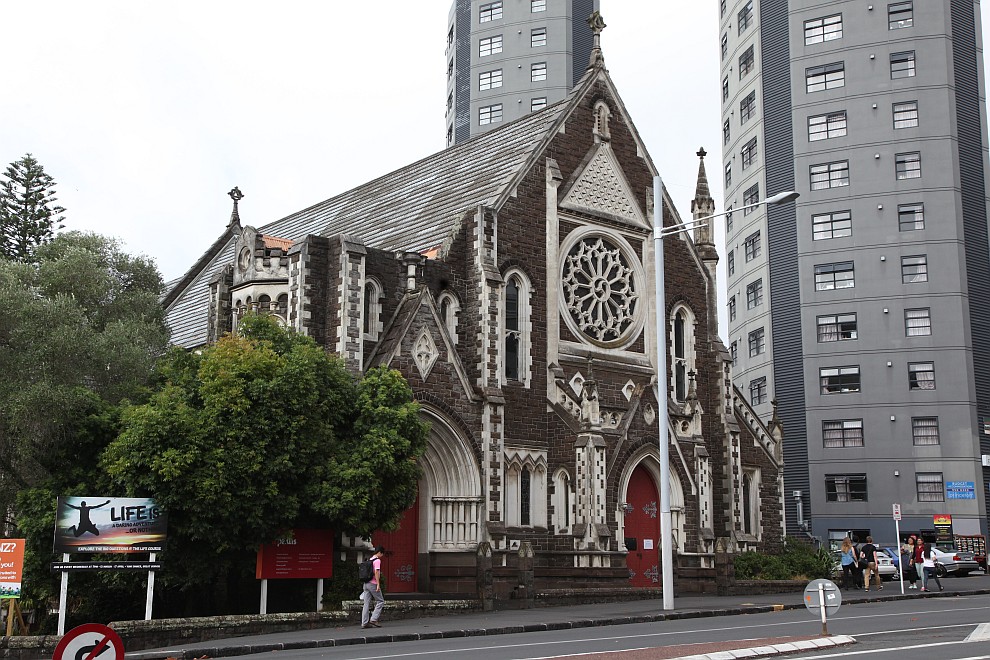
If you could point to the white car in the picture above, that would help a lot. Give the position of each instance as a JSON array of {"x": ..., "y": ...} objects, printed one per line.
[
  {"x": 885, "y": 567},
  {"x": 954, "y": 563}
]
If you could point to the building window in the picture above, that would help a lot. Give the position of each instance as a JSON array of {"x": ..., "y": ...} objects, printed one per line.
[
  {"x": 725, "y": 89},
  {"x": 450, "y": 69},
  {"x": 820, "y": 30},
  {"x": 725, "y": 44},
  {"x": 758, "y": 391},
  {"x": 490, "y": 79},
  {"x": 924, "y": 430},
  {"x": 372, "y": 309},
  {"x": 842, "y": 433},
  {"x": 906, "y": 114},
  {"x": 538, "y": 72},
  {"x": 747, "y": 107},
  {"x": 450, "y": 135},
  {"x": 745, "y": 17},
  {"x": 747, "y": 62},
  {"x": 838, "y": 380},
  {"x": 538, "y": 103},
  {"x": 734, "y": 351},
  {"x": 930, "y": 486},
  {"x": 449, "y": 309},
  {"x": 911, "y": 216},
  {"x": 917, "y": 322},
  {"x": 751, "y": 196},
  {"x": 754, "y": 294},
  {"x": 537, "y": 6},
  {"x": 845, "y": 488},
  {"x": 757, "y": 342},
  {"x": 682, "y": 351},
  {"x": 835, "y": 276},
  {"x": 450, "y": 102},
  {"x": 921, "y": 375},
  {"x": 538, "y": 38},
  {"x": 490, "y": 114},
  {"x": 900, "y": 15},
  {"x": 721, "y": 10},
  {"x": 730, "y": 263},
  {"x": 490, "y": 46},
  {"x": 837, "y": 327},
  {"x": 914, "y": 269},
  {"x": 728, "y": 174},
  {"x": 836, "y": 224},
  {"x": 732, "y": 308},
  {"x": 725, "y": 132},
  {"x": 450, "y": 36},
  {"x": 823, "y": 127},
  {"x": 728, "y": 219},
  {"x": 525, "y": 494},
  {"x": 752, "y": 246},
  {"x": 748, "y": 154},
  {"x": 515, "y": 336},
  {"x": 908, "y": 166},
  {"x": 562, "y": 499},
  {"x": 902, "y": 65},
  {"x": 826, "y": 76},
  {"x": 830, "y": 175},
  {"x": 490, "y": 12}
]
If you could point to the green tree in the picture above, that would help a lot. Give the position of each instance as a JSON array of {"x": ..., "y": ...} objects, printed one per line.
[
  {"x": 261, "y": 432},
  {"x": 29, "y": 212}
]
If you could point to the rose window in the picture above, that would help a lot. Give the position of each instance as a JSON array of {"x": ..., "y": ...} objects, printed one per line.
[{"x": 599, "y": 289}]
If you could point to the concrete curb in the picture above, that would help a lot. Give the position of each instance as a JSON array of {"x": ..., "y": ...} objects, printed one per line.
[{"x": 775, "y": 649}]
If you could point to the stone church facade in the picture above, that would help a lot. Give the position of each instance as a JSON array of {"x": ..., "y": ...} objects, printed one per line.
[{"x": 510, "y": 280}]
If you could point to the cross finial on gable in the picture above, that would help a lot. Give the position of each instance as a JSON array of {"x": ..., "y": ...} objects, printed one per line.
[
  {"x": 235, "y": 217},
  {"x": 702, "y": 153},
  {"x": 597, "y": 24}
]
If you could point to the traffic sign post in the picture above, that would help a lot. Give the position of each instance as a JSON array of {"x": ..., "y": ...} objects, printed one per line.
[
  {"x": 91, "y": 641},
  {"x": 897, "y": 536},
  {"x": 822, "y": 597}
]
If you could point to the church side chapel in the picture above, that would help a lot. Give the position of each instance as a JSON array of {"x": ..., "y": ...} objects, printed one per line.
[{"x": 510, "y": 280}]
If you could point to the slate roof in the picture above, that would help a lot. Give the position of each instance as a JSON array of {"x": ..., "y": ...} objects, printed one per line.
[{"x": 415, "y": 209}]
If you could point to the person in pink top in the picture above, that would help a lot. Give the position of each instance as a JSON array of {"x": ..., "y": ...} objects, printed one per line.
[{"x": 373, "y": 591}]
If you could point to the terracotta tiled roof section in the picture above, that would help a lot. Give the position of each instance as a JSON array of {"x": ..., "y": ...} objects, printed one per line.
[{"x": 282, "y": 243}]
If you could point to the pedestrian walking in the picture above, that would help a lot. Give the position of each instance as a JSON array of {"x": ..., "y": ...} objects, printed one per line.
[
  {"x": 848, "y": 560},
  {"x": 928, "y": 558},
  {"x": 869, "y": 553},
  {"x": 373, "y": 592},
  {"x": 919, "y": 561},
  {"x": 907, "y": 562}
]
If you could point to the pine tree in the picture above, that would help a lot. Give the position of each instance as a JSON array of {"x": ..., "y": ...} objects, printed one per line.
[{"x": 29, "y": 214}]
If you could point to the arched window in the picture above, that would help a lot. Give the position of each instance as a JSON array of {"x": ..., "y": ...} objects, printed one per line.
[
  {"x": 750, "y": 504},
  {"x": 264, "y": 303},
  {"x": 372, "y": 309},
  {"x": 525, "y": 488},
  {"x": 449, "y": 310},
  {"x": 682, "y": 350},
  {"x": 283, "y": 306},
  {"x": 524, "y": 497},
  {"x": 562, "y": 501},
  {"x": 515, "y": 329}
]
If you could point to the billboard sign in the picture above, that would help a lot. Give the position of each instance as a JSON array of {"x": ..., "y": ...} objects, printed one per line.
[
  {"x": 11, "y": 567},
  {"x": 305, "y": 553},
  {"x": 109, "y": 524}
]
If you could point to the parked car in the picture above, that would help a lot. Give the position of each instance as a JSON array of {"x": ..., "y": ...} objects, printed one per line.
[
  {"x": 894, "y": 555},
  {"x": 954, "y": 563},
  {"x": 885, "y": 566}
]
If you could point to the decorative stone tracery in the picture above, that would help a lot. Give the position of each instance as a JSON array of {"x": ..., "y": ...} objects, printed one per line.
[{"x": 600, "y": 289}]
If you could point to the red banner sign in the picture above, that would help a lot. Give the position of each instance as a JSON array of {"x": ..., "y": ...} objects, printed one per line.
[{"x": 305, "y": 553}]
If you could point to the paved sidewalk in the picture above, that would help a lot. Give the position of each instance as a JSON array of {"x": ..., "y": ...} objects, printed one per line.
[{"x": 503, "y": 622}]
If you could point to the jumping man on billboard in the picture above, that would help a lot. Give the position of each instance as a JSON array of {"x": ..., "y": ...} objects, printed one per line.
[{"x": 85, "y": 524}]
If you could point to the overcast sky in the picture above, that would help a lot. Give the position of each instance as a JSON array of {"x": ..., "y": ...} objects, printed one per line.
[{"x": 146, "y": 114}]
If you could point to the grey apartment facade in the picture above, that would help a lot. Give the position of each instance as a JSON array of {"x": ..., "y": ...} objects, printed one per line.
[
  {"x": 507, "y": 58},
  {"x": 862, "y": 309}
]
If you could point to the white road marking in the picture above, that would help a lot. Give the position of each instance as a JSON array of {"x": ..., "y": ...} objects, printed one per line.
[
  {"x": 847, "y": 654},
  {"x": 981, "y": 634}
]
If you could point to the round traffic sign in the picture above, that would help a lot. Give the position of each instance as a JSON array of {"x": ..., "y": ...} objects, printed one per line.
[
  {"x": 90, "y": 641},
  {"x": 830, "y": 593}
]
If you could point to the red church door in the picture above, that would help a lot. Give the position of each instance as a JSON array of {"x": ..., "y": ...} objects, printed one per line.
[
  {"x": 399, "y": 565},
  {"x": 642, "y": 530}
]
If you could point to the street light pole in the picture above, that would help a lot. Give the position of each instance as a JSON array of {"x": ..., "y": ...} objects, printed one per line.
[{"x": 659, "y": 233}]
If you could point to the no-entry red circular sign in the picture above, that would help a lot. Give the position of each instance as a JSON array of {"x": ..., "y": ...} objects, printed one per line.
[{"x": 90, "y": 641}]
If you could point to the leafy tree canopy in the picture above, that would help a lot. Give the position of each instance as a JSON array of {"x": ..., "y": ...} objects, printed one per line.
[{"x": 29, "y": 212}]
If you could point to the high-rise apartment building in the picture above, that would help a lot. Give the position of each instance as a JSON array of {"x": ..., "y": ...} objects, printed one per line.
[
  {"x": 863, "y": 309},
  {"x": 510, "y": 57}
]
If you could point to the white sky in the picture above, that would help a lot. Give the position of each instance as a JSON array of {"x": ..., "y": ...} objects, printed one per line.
[{"x": 146, "y": 114}]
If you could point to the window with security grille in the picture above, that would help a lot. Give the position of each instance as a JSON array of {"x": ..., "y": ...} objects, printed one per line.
[
  {"x": 745, "y": 17},
  {"x": 829, "y": 175},
  {"x": 837, "y": 327},
  {"x": 842, "y": 433},
  {"x": 747, "y": 107},
  {"x": 924, "y": 430},
  {"x": 538, "y": 103},
  {"x": 905, "y": 114},
  {"x": 748, "y": 154},
  {"x": 921, "y": 375},
  {"x": 725, "y": 45},
  {"x": 918, "y": 322},
  {"x": 490, "y": 79},
  {"x": 835, "y": 276},
  {"x": 757, "y": 342},
  {"x": 538, "y": 38},
  {"x": 538, "y": 72},
  {"x": 490, "y": 46},
  {"x": 902, "y": 65},
  {"x": 728, "y": 174},
  {"x": 490, "y": 114},
  {"x": 747, "y": 62},
  {"x": 537, "y": 6},
  {"x": 754, "y": 294},
  {"x": 751, "y": 196},
  {"x": 730, "y": 262},
  {"x": 819, "y": 30},
  {"x": 835, "y": 224},
  {"x": 826, "y": 76},
  {"x": 732, "y": 308},
  {"x": 908, "y": 166},
  {"x": 839, "y": 380},
  {"x": 823, "y": 127},
  {"x": 490, "y": 12},
  {"x": 900, "y": 15},
  {"x": 758, "y": 391},
  {"x": 914, "y": 269},
  {"x": 725, "y": 89},
  {"x": 911, "y": 217},
  {"x": 726, "y": 133},
  {"x": 752, "y": 246},
  {"x": 930, "y": 486},
  {"x": 845, "y": 488}
]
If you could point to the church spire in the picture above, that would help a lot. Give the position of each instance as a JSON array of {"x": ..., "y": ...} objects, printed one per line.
[
  {"x": 702, "y": 205},
  {"x": 597, "y": 24},
  {"x": 235, "y": 218}
]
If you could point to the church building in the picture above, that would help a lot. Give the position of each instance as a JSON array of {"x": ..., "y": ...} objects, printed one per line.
[{"x": 510, "y": 279}]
